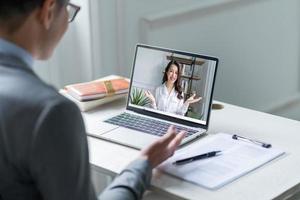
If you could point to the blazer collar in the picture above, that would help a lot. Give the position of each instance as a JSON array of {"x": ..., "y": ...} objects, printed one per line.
[{"x": 14, "y": 62}]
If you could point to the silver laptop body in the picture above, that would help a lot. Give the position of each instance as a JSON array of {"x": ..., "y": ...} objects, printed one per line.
[{"x": 196, "y": 75}]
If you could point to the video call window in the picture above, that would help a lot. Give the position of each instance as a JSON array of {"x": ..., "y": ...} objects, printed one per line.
[{"x": 172, "y": 84}]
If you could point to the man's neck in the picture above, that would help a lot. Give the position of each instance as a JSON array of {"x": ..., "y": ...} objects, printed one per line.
[
  {"x": 9, "y": 48},
  {"x": 13, "y": 38},
  {"x": 16, "y": 44},
  {"x": 28, "y": 43}
]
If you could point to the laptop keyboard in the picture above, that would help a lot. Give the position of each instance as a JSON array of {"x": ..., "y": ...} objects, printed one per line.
[{"x": 151, "y": 126}]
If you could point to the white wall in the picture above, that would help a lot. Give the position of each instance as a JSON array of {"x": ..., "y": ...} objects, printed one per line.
[
  {"x": 149, "y": 68},
  {"x": 257, "y": 42}
]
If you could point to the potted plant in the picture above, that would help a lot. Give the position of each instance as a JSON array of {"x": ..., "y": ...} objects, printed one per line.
[{"x": 139, "y": 98}]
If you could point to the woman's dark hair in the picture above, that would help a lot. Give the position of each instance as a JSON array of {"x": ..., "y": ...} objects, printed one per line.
[
  {"x": 177, "y": 82},
  {"x": 14, "y": 12}
]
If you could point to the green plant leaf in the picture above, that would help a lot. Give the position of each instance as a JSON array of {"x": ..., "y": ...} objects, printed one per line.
[{"x": 138, "y": 97}]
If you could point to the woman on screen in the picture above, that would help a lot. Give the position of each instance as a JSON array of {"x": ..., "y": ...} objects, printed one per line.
[{"x": 169, "y": 96}]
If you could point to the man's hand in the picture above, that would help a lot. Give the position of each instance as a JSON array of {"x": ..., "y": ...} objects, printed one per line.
[{"x": 163, "y": 148}]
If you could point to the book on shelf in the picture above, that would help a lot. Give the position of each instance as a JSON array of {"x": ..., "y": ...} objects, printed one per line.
[
  {"x": 184, "y": 86},
  {"x": 93, "y": 103},
  {"x": 183, "y": 70},
  {"x": 98, "y": 88},
  {"x": 188, "y": 70}
]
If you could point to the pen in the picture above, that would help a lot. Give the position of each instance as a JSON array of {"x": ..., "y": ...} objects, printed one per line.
[
  {"x": 263, "y": 144},
  {"x": 198, "y": 157}
]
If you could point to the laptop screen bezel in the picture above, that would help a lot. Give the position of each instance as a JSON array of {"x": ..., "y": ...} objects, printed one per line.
[{"x": 167, "y": 117}]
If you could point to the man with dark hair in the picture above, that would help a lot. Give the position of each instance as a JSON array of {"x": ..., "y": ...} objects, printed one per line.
[{"x": 43, "y": 145}]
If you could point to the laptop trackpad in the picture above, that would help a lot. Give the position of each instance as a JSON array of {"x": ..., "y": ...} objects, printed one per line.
[
  {"x": 130, "y": 137},
  {"x": 99, "y": 128}
]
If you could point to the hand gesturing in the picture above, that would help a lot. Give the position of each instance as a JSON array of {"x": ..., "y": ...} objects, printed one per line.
[
  {"x": 150, "y": 96},
  {"x": 163, "y": 148},
  {"x": 192, "y": 99}
]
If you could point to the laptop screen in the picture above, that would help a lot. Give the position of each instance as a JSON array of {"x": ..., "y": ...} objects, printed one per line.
[{"x": 172, "y": 85}]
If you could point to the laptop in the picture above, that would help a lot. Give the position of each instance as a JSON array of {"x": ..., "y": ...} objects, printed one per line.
[{"x": 159, "y": 96}]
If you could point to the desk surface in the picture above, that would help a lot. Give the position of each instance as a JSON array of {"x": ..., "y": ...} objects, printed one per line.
[{"x": 276, "y": 179}]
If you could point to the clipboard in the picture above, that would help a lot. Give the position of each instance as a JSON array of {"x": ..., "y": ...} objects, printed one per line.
[{"x": 240, "y": 155}]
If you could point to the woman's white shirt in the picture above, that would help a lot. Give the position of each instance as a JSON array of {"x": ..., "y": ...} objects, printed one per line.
[{"x": 169, "y": 102}]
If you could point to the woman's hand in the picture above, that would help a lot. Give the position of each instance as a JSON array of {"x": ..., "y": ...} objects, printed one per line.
[
  {"x": 163, "y": 148},
  {"x": 192, "y": 99},
  {"x": 150, "y": 96}
]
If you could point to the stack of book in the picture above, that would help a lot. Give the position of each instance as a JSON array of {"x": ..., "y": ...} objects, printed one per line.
[{"x": 91, "y": 94}]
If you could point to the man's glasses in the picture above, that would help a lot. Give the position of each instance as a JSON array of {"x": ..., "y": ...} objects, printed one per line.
[{"x": 72, "y": 10}]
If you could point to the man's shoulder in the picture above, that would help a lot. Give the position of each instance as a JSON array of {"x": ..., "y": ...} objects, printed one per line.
[{"x": 27, "y": 91}]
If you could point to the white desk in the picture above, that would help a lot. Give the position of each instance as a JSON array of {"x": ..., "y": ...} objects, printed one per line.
[{"x": 276, "y": 180}]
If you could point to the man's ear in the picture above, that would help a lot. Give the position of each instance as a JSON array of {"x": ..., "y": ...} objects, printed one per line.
[{"x": 47, "y": 13}]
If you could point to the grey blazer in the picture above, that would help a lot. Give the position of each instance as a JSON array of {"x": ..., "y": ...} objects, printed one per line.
[{"x": 43, "y": 145}]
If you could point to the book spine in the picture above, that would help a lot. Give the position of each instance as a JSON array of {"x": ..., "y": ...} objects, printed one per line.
[{"x": 183, "y": 70}]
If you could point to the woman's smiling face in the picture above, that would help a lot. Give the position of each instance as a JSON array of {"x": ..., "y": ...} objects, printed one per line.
[{"x": 172, "y": 73}]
